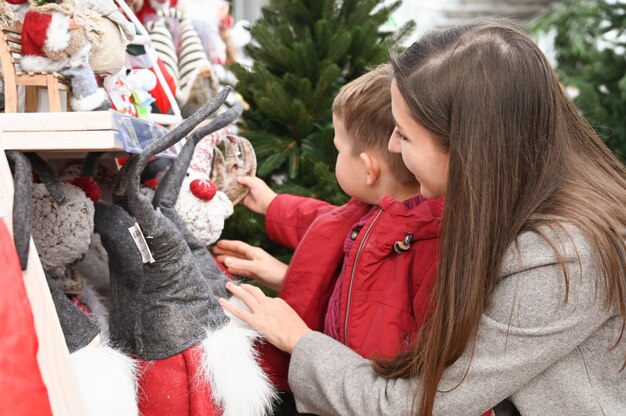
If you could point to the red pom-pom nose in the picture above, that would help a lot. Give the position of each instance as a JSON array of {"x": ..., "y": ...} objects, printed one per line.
[
  {"x": 89, "y": 187},
  {"x": 203, "y": 189}
]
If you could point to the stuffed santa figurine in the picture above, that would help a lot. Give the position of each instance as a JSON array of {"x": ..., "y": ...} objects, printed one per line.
[{"x": 55, "y": 38}]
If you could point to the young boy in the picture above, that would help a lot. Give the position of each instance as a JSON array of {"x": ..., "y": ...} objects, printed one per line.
[{"x": 362, "y": 272}]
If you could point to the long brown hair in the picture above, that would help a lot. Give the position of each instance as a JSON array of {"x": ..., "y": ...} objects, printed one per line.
[{"x": 519, "y": 154}]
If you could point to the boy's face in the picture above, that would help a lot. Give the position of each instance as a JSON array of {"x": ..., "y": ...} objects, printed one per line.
[{"x": 349, "y": 169}]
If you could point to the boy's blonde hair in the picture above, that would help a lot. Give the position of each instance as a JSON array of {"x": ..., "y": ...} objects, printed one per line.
[{"x": 364, "y": 107}]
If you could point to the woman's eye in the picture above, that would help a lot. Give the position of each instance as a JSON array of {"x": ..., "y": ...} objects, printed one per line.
[{"x": 399, "y": 135}]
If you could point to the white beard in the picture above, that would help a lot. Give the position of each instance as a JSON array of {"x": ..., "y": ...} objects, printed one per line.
[
  {"x": 107, "y": 380},
  {"x": 230, "y": 366}
]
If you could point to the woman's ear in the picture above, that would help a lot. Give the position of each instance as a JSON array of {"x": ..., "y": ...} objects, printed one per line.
[{"x": 372, "y": 168}]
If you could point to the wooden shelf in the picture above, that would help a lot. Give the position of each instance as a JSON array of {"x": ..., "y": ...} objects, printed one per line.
[
  {"x": 61, "y": 141},
  {"x": 52, "y": 132},
  {"x": 62, "y": 121}
]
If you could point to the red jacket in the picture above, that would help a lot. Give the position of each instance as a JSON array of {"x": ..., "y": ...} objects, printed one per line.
[{"x": 385, "y": 295}]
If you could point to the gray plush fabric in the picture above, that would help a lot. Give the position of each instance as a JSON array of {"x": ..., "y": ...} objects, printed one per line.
[
  {"x": 78, "y": 329},
  {"x": 83, "y": 80},
  {"x": 125, "y": 272},
  {"x": 175, "y": 305},
  {"x": 62, "y": 219},
  {"x": 547, "y": 355},
  {"x": 169, "y": 189},
  {"x": 62, "y": 233},
  {"x": 22, "y": 204}
]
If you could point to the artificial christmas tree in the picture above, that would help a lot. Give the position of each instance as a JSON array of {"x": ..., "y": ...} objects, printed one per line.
[
  {"x": 589, "y": 45},
  {"x": 303, "y": 52}
]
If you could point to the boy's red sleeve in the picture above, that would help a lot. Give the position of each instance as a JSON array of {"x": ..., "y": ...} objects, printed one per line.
[{"x": 289, "y": 216}]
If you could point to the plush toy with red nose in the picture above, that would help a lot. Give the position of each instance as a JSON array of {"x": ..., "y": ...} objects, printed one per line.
[{"x": 202, "y": 207}]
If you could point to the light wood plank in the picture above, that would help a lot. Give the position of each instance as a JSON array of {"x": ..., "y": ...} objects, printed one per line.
[
  {"x": 66, "y": 121},
  {"x": 78, "y": 141}
]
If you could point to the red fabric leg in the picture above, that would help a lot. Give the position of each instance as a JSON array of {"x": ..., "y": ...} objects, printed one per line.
[{"x": 174, "y": 386}]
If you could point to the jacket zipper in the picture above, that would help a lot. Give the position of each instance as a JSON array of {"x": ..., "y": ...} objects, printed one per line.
[{"x": 356, "y": 259}]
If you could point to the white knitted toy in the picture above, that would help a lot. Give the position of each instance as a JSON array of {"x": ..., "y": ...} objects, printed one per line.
[{"x": 203, "y": 207}]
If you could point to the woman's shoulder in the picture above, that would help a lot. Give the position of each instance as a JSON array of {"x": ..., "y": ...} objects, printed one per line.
[
  {"x": 542, "y": 268},
  {"x": 554, "y": 242},
  {"x": 546, "y": 275}
]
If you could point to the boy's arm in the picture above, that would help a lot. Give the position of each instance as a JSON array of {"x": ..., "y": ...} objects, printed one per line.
[{"x": 289, "y": 216}]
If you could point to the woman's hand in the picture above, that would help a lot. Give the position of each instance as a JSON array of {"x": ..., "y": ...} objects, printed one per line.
[
  {"x": 249, "y": 261},
  {"x": 260, "y": 195},
  {"x": 273, "y": 318}
]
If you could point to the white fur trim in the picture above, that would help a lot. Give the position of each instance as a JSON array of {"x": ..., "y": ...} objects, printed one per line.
[
  {"x": 89, "y": 102},
  {"x": 107, "y": 381},
  {"x": 58, "y": 33},
  {"x": 229, "y": 363},
  {"x": 42, "y": 64}
]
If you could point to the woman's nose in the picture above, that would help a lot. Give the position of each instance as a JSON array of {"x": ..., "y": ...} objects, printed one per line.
[{"x": 394, "y": 144}]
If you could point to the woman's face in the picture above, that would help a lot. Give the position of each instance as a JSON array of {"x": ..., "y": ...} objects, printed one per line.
[{"x": 420, "y": 152}]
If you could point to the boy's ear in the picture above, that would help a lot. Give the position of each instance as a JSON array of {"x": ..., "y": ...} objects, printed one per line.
[{"x": 372, "y": 168}]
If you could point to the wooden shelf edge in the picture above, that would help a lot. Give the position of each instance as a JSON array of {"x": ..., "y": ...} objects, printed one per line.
[{"x": 62, "y": 141}]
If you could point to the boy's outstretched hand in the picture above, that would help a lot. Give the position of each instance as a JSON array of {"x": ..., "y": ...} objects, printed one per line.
[
  {"x": 273, "y": 318},
  {"x": 249, "y": 261},
  {"x": 260, "y": 195}
]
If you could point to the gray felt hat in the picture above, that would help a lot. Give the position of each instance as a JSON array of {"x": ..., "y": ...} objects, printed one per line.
[
  {"x": 78, "y": 329},
  {"x": 169, "y": 189},
  {"x": 165, "y": 306}
]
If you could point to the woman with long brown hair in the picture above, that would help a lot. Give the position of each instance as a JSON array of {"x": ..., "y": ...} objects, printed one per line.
[{"x": 530, "y": 302}]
